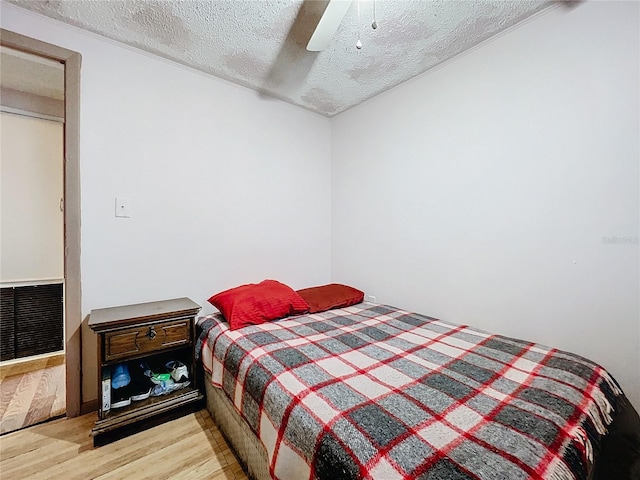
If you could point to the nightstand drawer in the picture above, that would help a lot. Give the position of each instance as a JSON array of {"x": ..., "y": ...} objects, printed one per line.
[{"x": 146, "y": 338}]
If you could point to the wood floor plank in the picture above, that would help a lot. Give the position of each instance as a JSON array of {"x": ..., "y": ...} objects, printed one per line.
[
  {"x": 32, "y": 439},
  {"x": 52, "y": 386},
  {"x": 110, "y": 457},
  {"x": 202, "y": 471},
  {"x": 163, "y": 463},
  {"x": 18, "y": 408},
  {"x": 8, "y": 389},
  {"x": 186, "y": 448},
  {"x": 47, "y": 451},
  {"x": 33, "y": 393}
]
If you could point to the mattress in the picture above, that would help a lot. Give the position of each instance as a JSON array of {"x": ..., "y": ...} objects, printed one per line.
[
  {"x": 373, "y": 391},
  {"x": 248, "y": 449}
]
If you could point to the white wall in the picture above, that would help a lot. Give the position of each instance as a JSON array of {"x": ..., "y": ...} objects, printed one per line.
[
  {"x": 226, "y": 187},
  {"x": 489, "y": 191},
  {"x": 31, "y": 222}
]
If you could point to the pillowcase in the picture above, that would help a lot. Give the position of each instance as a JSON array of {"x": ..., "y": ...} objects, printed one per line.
[
  {"x": 334, "y": 295},
  {"x": 256, "y": 303}
]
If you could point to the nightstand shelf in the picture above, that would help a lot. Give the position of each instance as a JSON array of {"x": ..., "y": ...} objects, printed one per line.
[{"x": 150, "y": 332}]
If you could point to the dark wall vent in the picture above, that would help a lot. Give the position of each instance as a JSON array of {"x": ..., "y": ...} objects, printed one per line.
[
  {"x": 32, "y": 321},
  {"x": 7, "y": 325}
]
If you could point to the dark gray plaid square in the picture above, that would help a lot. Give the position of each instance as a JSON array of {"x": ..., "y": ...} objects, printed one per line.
[
  {"x": 433, "y": 356},
  {"x": 228, "y": 384},
  {"x": 377, "y": 424},
  {"x": 232, "y": 361},
  {"x": 496, "y": 354},
  {"x": 376, "y": 311},
  {"x": 534, "y": 356},
  {"x": 528, "y": 423},
  {"x": 374, "y": 333},
  {"x": 250, "y": 411},
  {"x": 311, "y": 374},
  {"x": 447, "y": 385},
  {"x": 302, "y": 429},
  {"x": 468, "y": 381},
  {"x": 409, "y": 368},
  {"x": 304, "y": 331},
  {"x": 401, "y": 343},
  {"x": 572, "y": 366},
  {"x": 486, "y": 463},
  {"x": 410, "y": 453},
  {"x": 359, "y": 443},
  {"x": 441, "y": 327},
  {"x": 256, "y": 381},
  {"x": 548, "y": 401},
  {"x": 313, "y": 351},
  {"x": 346, "y": 320},
  {"x": 290, "y": 357},
  {"x": 376, "y": 353},
  {"x": 469, "y": 370},
  {"x": 401, "y": 407},
  {"x": 483, "y": 362},
  {"x": 272, "y": 366},
  {"x": 504, "y": 345},
  {"x": 431, "y": 398},
  {"x": 470, "y": 337},
  {"x": 332, "y": 462},
  {"x": 504, "y": 385},
  {"x": 538, "y": 410},
  {"x": 276, "y": 401},
  {"x": 321, "y": 327},
  {"x": 341, "y": 396},
  {"x": 334, "y": 346},
  {"x": 351, "y": 340},
  {"x": 414, "y": 320},
  {"x": 262, "y": 338},
  {"x": 563, "y": 376},
  {"x": 481, "y": 403},
  {"x": 444, "y": 469},
  {"x": 517, "y": 444},
  {"x": 388, "y": 328}
]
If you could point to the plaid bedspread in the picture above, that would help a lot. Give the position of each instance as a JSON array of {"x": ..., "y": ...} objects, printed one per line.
[{"x": 375, "y": 392}]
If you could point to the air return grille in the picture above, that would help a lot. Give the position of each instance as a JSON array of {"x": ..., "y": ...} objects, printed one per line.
[
  {"x": 36, "y": 320},
  {"x": 7, "y": 324}
]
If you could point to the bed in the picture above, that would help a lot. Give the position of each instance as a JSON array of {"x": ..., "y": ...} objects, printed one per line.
[{"x": 373, "y": 391}]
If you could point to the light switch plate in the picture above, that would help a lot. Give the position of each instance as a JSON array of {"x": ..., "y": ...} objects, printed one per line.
[{"x": 123, "y": 207}]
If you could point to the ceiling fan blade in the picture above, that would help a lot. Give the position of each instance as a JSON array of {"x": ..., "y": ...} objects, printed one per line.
[{"x": 328, "y": 24}]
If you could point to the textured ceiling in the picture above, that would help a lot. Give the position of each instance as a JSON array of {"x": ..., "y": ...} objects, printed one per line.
[{"x": 261, "y": 44}]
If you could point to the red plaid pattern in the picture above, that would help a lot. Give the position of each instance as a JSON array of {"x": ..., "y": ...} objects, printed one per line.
[{"x": 371, "y": 391}]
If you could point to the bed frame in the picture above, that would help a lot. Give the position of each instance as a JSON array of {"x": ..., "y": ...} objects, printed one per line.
[{"x": 249, "y": 451}]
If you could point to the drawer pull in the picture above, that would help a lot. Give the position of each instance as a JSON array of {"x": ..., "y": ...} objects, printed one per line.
[{"x": 152, "y": 333}]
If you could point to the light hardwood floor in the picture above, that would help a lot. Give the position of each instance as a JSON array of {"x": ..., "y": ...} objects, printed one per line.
[
  {"x": 31, "y": 392},
  {"x": 190, "y": 447}
]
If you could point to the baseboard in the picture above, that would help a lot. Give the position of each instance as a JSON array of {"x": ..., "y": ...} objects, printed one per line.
[
  {"x": 90, "y": 406},
  {"x": 22, "y": 366}
]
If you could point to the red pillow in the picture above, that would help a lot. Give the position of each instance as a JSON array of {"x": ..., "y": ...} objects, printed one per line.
[
  {"x": 256, "y": 303},
  {"x": 334, "y": 295}
]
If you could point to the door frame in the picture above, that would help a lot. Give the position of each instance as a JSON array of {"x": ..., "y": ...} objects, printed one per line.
[{"x": 73, "y": 287}]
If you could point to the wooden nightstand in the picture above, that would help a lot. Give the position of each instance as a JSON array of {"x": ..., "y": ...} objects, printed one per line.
[{"x": 153, "y": 333}]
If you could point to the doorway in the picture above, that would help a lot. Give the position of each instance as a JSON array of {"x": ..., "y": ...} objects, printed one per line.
[{"x": 70, "y": 209}]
